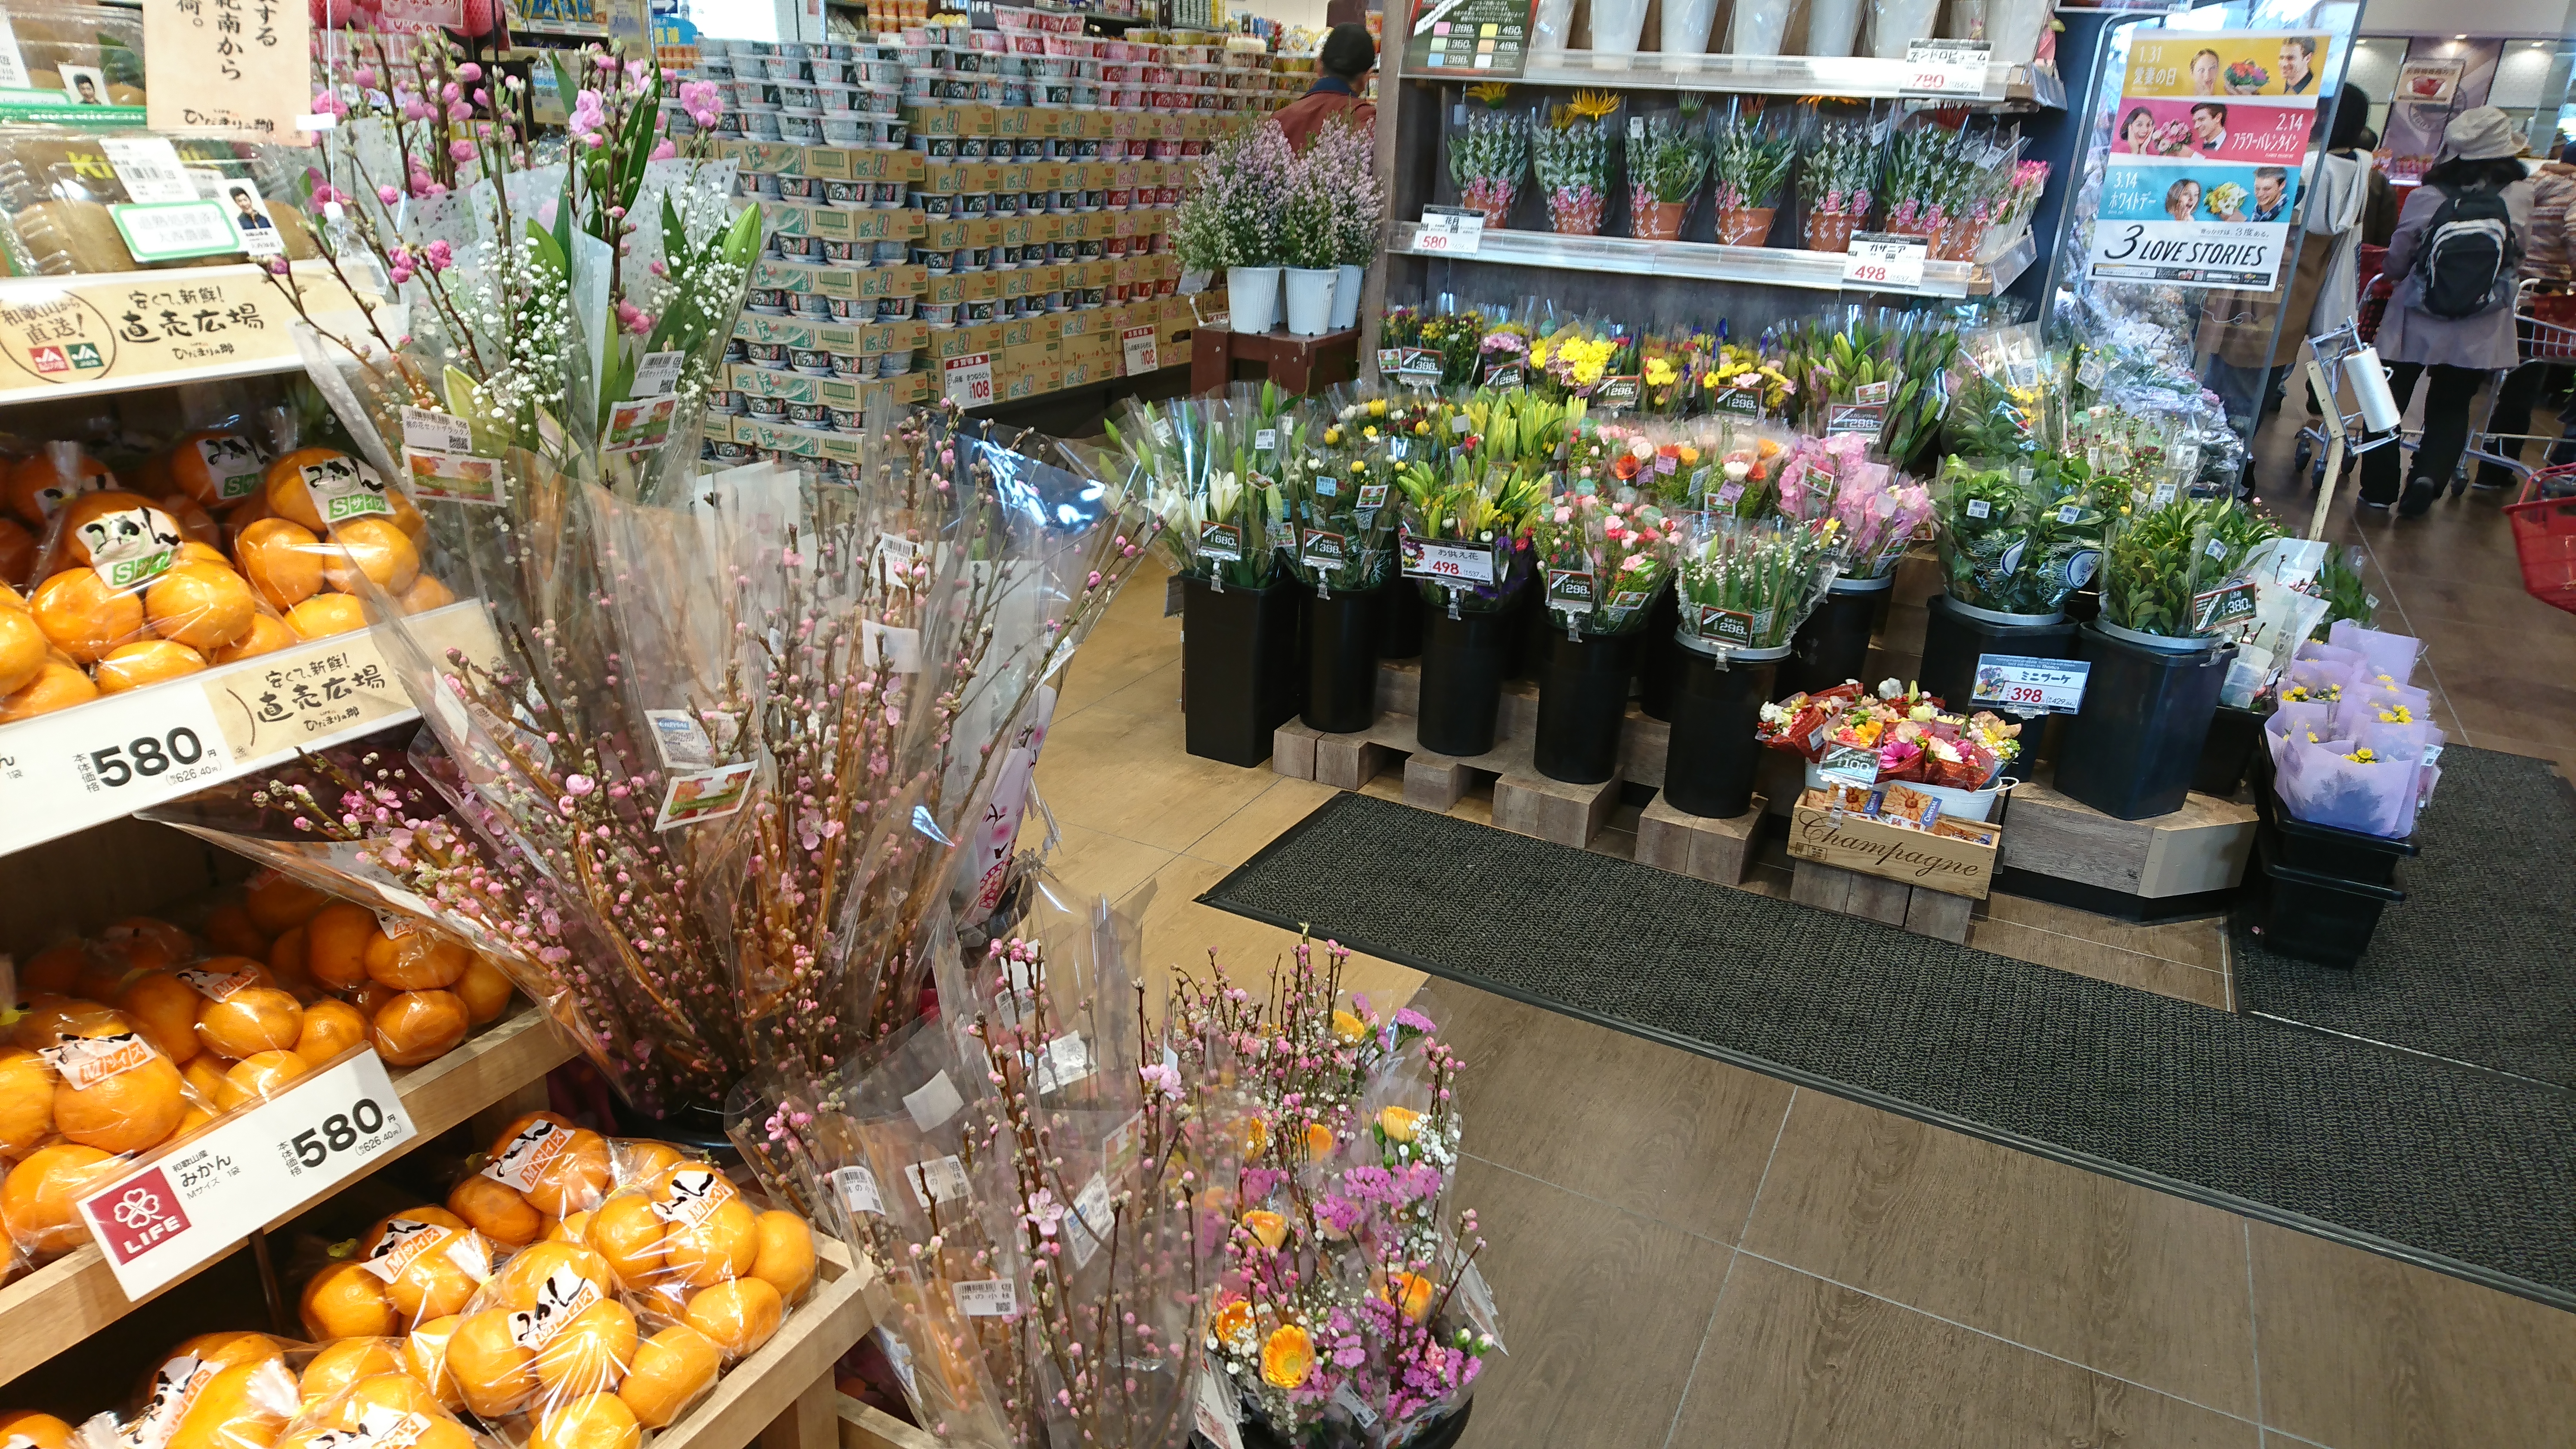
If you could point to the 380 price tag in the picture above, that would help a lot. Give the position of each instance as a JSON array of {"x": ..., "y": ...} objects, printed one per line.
[
  {"x": 2030, "y": 686},
  {"x": 198, "y": 1200},
  {"x": 119, "y": 753}
]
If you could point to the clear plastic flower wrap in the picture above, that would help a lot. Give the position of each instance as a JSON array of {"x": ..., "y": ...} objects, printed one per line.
[
  {"x": 1602, "y": 560},
  {"x": 1216, "y": 523},
  {"x": 1746, "y": 585},
  {"x": 2179, "y": 571},
  {"x": 1339, "y": 498},
  {"x": 1478, "y": 520},
  {"x": 2015, "y": 539}
]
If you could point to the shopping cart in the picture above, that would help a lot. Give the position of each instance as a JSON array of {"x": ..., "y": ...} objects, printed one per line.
[
  {"x": 2376, "y": 287},
  {"x": 2544, "y": 329},
  {"x": 2544, "y": 535},
  {"x": 2344, "y": 436}
]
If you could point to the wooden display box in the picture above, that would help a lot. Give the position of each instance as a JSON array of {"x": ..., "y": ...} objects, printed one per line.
[{"x": 1916, "y": 858}]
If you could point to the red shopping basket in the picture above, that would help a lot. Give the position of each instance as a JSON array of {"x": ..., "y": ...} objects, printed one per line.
[{"x": 2544, "y": 536}]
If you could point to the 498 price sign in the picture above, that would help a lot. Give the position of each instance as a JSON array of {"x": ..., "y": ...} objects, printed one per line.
[{"x": 198, "y": 1200}]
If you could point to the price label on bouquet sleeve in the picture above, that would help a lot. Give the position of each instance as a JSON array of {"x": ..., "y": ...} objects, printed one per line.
[
  {"x": 1946, "y": 68},
  {"x": 115, "y": 754},
  {"x": 1460, "y": 563},
  {"x": 2030, "y": 686},
  {"x": 969, "y": 379},
  {"x": 1850, "y": 765},
  {"x": 858, "y": 1189},
  {"x": 1450, "y": 231},
  {"x": 1882, "y": 262},
  {"x": 199, "y": 1200},
  {"x": 987, "y": 1298}
]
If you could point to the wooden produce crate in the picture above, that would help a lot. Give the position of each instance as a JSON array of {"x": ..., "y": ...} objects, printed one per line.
[{"x": 1921, "y": 881}]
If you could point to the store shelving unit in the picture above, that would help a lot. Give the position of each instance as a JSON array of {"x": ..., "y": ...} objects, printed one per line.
[
  {"x": 1707, "y": 262},
  {"x": 2010, "y": 87}
]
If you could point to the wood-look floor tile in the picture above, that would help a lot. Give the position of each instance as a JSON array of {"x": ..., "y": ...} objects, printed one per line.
[
  {"x": 1650, "y": 1128},
  {"x": 1239, "y": 836},
  {"x": 1094, "y": 863},
  {"x": 2133, "y": 1282},
  {"x": 2193, "y": 943},
  {"x": 1126, "y": 774},
  {"x": 2365, "y": 1352},
  {"x": 2102, "y": 963},
  {"x": 1602, "y": 1315},
  {"x": 2562, "y": 753}
]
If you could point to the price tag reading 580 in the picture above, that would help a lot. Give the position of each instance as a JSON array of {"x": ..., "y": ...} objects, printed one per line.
[
  {"x": 198, "y": 1200},
  {"x": 119, "y": 753}
]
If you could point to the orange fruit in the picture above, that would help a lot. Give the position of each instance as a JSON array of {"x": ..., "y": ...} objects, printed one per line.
[
  {"x": 416, "y": 960},
  {"x": 244, "y": 1406},
  {"x": 257, "y": 1077},
  {"x": 575, "y": 1178},
  {"x": 417, "y": 1026},
  {"x": 785, "y": 1257},
  {"x": 204, "y": 606},
  {"x": 521, "y": 1123},
  {"x": 281, "y": 560},
  {"x": 286, "y": 962},
  {"x": 344, "y": 1300},
  {"x": 23, "y": 650},
  {"x": 335, "y": 944},
  {"x": 204, "y": 1075},
  {"x": 425, "y": 1358},
  {"x": 278, "y": 902},
  {"x": 641, "y": 1159},
  {"x": 494, "y": 1374},
  {"x": 439, "y": 1282},
  {"x": 127, "y": 1112},
  {"x": 26, "y": 1101},
  {"x": 197, "y": 527},
  {"x": 671, "y": 1369},
  {"x": 572, "y": 1228},
  {"x": 149, "y": 943},
  {"x": 324, "y": 615},
  {"x": 342, "y": 1363},
  {"x": 721, "y": 1246},
  {"x": 40, "y": 1197},
  {"x": 370, "y": 998},
  {"x": 250, "y": 1020},
  {"x": 284, "y": 484},
  {"x": 397, "y": 1393},
  {"x": 44, "y": 1431},
  {"x": 593, "y": 1421},
  {"x": 330, "y": 1028},
  {"x": 483, "y": 989},
  {"x": 266, "y": 635},
  {"x": 150, "y": 661},
  {"x": 41, "y": 484},
  {"x": 625, "y": 1232},
  {"x": 738, "y": 1316},
  {"x": 59, "y": 685},
  {"x": 18, "y": 551},
  {"x": 515, "y": 1286},
  {"x": 228, "y": 1346},
  {"x": 497, "y": 1211},
  {"x": 191, "y": 474},
  {"x": 590, "y": 1353},
  {"x": 53, "y": 970},
  {"x": 51, "y": 1018},
  {"x": 85, "y": 617},
  {"x": 376, "y": 547},
  {"x": 164, "y": 1009},
  {"x": 231, "y": 929},
  {"x": 426, "y": 593},
  {"x": 192, "y": 551}
]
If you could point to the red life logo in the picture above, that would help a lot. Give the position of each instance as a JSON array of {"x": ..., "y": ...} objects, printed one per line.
[
  {"x": 49, "y": 359},
  {"x": 138, "y": 1215}
]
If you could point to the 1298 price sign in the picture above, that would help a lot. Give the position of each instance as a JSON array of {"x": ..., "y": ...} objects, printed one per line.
[{"x": 339, "y": 1132}]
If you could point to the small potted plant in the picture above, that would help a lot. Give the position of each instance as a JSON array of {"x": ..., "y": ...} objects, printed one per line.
[
  {"x": 1835, "y": 177},
  {"x": 1572, "y": 159},
  {"x": 1749, "y": 160},
  {"x": 1668, "y": 159},
  {"x": 1489, "y": 154}
]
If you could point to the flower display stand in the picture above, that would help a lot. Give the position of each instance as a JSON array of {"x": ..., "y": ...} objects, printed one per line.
[
  {"x": 1303, "y": 365},
  {"x": 1694, "y": 845},
  {"x": 1525, "y": 801},
  {"x": 1923, "y": 911},
  {"x": 2163, "y": 867}
]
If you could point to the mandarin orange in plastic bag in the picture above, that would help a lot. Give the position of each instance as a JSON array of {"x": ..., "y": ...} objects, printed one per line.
[
  {"x": 59, "y": 685},
  {"x": 704, "y": 1244},
  {"x": 281, "y": 560},
  {"x": 671, "y": 1369},
  {"x": 146, "y": 662},
  {"x": 425, "y": 1358},
  {"x": 86, "y": 617},
  {"x": 484, "y": 990},
  {"x": 324, "y": 615},
  {"x": 497, "y": 1211},
  {"x": 244, "y": 1406},
  {"x": 417, "y": 1026},
  {"x": 23, "y": 649},
  {"x": 344, "y": 1300},
  {"x": 258, "y": 1077},
  {"x": 416, "y": 960},
  {"x": 41, "y": 1430},
  {"x": 40, "y": 1198},
  {"x": 248, "y": 1020},
  {"x": 343, "y": 1362},
  {"x": 593, "y": 1421},
  {"x": 738, "y": 1315},
  {"x": 330, "y": 1028},
  {"x": 204, "y": 606},
  {"x": 266, "y": 635},
  {"x": 164, "y": 1009},
  {"x": 26, "y": 1101},
  {"x": 230, "y": 929},
  {"x": 491, "y": 1370},
  {"x": 336, "y": 938},
  {"x": 40, "y": 485},
  {"x": 589, "y": 1353},
  {"x": 785, "y": 1257},
  {"x": 126, "y": 1098},
  {"x": 278, "y": 902}
]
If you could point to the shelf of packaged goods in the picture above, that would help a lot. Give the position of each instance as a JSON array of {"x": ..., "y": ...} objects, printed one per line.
[
  {"x": 107, "y": 332},
  {"x": 76, "y": 1295},
  {"x": 783, "y": 1395},
  {"x": 78, "y": 767},
  {"x": 1709, "y": 262},
  {"x": 2012, "y": 87}
]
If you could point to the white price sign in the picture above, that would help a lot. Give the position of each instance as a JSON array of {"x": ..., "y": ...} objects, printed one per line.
[
  {"x": 2030, "y": 686},
  {"x": 1451, "y": 233},
  {"x": 1945, "y": 68},
  {"x": 970, "y": 379},
  {"x": 1455, "y": 562},
  {"x": 197, "y": 1201},
  {"x": 131, "y": 750},
  {"x": 1884, "y": 263},
  {"x": 1138, "y": 343}
]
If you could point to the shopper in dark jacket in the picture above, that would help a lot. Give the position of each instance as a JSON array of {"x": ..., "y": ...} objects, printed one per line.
[
  {"x": 1349, "y": 55},
  {"x": 2481, "y": 151}
]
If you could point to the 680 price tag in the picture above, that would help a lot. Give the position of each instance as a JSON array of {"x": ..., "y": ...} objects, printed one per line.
[
  {"x": 2031, "y": 686},
  {"x": 198, "y": 1200}
]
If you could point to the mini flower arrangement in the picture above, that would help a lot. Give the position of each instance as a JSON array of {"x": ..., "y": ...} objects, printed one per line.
[
  {"x": 1669, "y": 366},
  {"x": 1340, "y": 498},
  {"x": 1835, "y": 176},
  {"x": 1748, "y": 163},
  {"x": 1350, "y": 1310},
  {"x": 1605, "y": 559},
  {"x": 1915, "y": 739},
  {"x": 2178, "y": 571},
  {"x": 1488, "y": 157},
  {"x": 1572, "y": 159},
  {"x": 1748, "y": 585},
  {"x": 1668, "y": 159},
  {"x": 1502, "y": 355},
  {"x": 2245, "y": 77},
  {"x": 1743, "y": 481}
]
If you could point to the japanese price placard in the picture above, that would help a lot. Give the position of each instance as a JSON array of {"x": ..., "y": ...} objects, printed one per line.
[
  {"x": 1462, "y": 563},
  {"x": 1882, "y": 262},
  {"x": 969, "y": 379},
  {"x": 228, "y": 65},
  {"x": 1946, "y": 67},
  {"x": 64, "y": 334},
  {"x": 1453, "y": 231},
  {"x": 201, "y": 1198},
  {"x": 2030, "y": 686}
]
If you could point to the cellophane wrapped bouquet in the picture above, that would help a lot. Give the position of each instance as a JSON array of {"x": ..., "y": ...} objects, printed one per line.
[
  {"x": 1222, "y": 518},
  {"x": 2180, "y": 570},
  {"x": 1571, "y": 156},
  {"x": 2014, "y": 538},
  {"x": 1603, "y": 557},
  {"x": 1489, "y": 156},
  {"x": 1450, "y": 500},
  {"x": 1339, "y": 487},
  {"x": 1917, "y": 740},
  {"x": 1747, "y": 584}
]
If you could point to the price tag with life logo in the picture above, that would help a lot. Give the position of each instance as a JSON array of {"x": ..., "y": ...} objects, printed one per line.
[
  {"x": 2030, "y": 686},
  {"x": 1450, "y": 230},
  {"x": 197, "y": 1201},
  {"x": 1884, "y": 262}
]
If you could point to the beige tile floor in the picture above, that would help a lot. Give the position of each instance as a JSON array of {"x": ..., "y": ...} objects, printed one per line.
[{"x": 1692, "y": 1254}]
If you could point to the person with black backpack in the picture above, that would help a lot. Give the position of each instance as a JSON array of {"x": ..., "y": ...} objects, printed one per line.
[{"x": 2457, "y": 247}]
